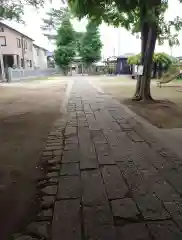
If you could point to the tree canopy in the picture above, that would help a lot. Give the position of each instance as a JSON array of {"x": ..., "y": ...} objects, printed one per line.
[
  {"x": 158, "y": 58},
  {"x": 90, "y": 44},
  {"x": 13, "y": 9},
  {"x": 66, "y": 45}
]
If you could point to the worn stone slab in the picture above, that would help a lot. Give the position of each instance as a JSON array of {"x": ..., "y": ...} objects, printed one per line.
[
  {"x": 164, "y": 230},
  {"x": 134, "y": 231},
  {"x": 23, "y": 237},
  {"x": 97, "y": 136},
  {"x": 88, "y": 158},
  {"x": 174, "y": 207},
  {"x": 40, "y": 229},
  {"x": 69, "y": 169},
  {"x": 70, "y": 157},
  {"x": 151, "y": 207},
  {"x": 50, "y": 190},
  {"x": 93, "y": 188},
  {"x": 135, "y": 137},
  {"x": 114, "y": 183},
  {"x": 69, "y": 187},
  {"x": 104, "y": 154},
  {"x": 125, "y": 209},
  {"x": 100, "y": 232},
  {"x": 97, "y": 215},
  {"x": 66, "y": 220}
]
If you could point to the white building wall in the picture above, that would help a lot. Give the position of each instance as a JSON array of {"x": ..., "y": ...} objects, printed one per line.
[{"x": 39, "y": 57}]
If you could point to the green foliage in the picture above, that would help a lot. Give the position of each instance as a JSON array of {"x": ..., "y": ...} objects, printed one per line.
[
  {"x": 158, "y": 58},
  {"x": 65, "y": 42},
  {"x": 134, "y": 59},
  {"x": 90, "y": 45},
  {"x": 14, "y": 9},
  {"x": 53, "y": 20},
  {"x": 131, "y": 15},
  {"x": 162, "y": 58}
]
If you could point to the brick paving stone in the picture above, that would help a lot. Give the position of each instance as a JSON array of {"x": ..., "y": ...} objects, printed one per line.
[
  {"x": 134, "y": 231},
  {"x": 93, "y": 188},
  {"x": 66, "y": 220},
  {"x": 166, "y": 230},
  {"x": 125, "y": 209},
  {"x": 115, "y": 185},
  {"x": 69, "y": 169},
  {"x": 69, "y": 187}
]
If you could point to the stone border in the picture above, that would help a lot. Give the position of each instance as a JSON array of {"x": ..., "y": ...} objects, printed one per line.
[{"x": 50, "y": 162}]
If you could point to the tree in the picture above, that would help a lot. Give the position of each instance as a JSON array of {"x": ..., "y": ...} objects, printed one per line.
[
  {"x": 144, "y": 17},
  {"x": 13, "y": 9},
  {"x": 65, "y": 42},
  {"x": 160, "y": 61},
  {"x": 53, "y": 20},
  {"x": 90, "y": 44}
]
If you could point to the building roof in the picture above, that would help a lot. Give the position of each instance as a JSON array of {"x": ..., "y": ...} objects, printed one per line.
[
  {"x": 40, "y": 47},
  {"x": 6, "y": 25}
]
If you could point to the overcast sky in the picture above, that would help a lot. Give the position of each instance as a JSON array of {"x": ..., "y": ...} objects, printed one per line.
[{"x": 110, "y": 36}]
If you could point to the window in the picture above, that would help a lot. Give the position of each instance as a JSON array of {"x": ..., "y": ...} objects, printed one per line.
[
  {"x": 25, "y": 44},
  {"x": 18, "y": 43},
  {"x": 2, "y": 41},
  {"x": 30, "y": 63},
  {"x": 37, "y": 52},
  {"x": 1, "y": 29}
]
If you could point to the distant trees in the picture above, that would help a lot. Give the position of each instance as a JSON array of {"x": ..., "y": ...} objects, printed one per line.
[
  {"x": 161, "y": 62},
  {"x": 90, "y": 44},
  {"x": 66, "y": 45}
]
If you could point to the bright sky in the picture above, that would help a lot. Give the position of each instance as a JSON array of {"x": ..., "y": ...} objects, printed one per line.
[{"x": 110, "y": 36}]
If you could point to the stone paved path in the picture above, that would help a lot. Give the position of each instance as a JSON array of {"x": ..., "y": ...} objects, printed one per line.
[
  {"x": 112, "y": 184},
  {"x": 112, "y": 181}
]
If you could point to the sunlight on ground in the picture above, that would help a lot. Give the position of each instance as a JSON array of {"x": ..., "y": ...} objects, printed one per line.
[{"x": 166, "y": 114}]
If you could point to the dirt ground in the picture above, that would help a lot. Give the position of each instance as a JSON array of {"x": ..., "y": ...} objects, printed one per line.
[
  {"x": 159, "y": 114},
  {"x": 27, "y": 111}
]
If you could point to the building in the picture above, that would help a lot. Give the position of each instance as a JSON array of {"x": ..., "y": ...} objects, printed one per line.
[
  {"x": 16, "y": 48},
  {"x": 118, "y": 65},
  {"x": 39, "y": 56}
]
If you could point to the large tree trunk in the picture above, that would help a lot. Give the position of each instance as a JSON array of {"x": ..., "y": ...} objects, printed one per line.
[
  {"x": 144, "y": 38},
  {"x": 149, "y": 36},
  {"x": 145, "y": 85}
]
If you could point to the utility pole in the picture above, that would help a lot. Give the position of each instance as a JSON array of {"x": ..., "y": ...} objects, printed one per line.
[{"x": 2, "y": 65}]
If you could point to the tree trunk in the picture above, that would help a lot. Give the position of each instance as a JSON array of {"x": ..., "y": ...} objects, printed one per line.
[
  {"x": 144, "y": 37},
  {"x": 149, "y": 36},
  {"x": 145, "y": 85}
]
